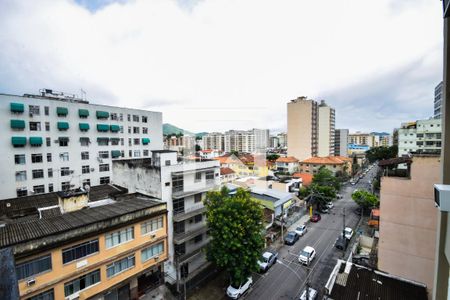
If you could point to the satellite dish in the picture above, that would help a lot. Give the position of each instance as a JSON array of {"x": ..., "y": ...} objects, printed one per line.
[{"x": 87, "y": 188}]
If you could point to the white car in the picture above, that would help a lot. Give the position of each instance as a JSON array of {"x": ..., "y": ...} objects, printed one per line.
[
  {"x": 307, "y": 255},
  {"x": 312, "y": 294},
  {"x": 235, "y": 292},
  {"x": 301, "y": 230},
  {"x": 330, "y": 205},
  {"x": 348, "y": 233}
]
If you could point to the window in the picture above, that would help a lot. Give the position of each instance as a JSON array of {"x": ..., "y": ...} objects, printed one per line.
[
  {"x": 119, "y": 237},
  {"x": 81, "y": 283},
  {"x": 135, "y": 118},
  {"x": 104, "y": 167},
  {"x": 137, "y": 153},
  {"x": 177, "y": 183},
  {"x": 152, "y": 225},
  {"x": 115, "y": 141},
  {"x": 198, "y": 176},
  {"x": 38, "y": 173},
  {"x": 21, "y": 175},
  {"x": 178, "y": 206},
  {"x": 65, "y": 186},
  {"x": 84, "y": 141},
  {"x": 47, "y": 295},
  {"x": 167, "y": 162},
  {"x": 152, "y": 251},
  {"x": 39, "y": 189},
  {"x": 85, "y": 170},
  {"x": 129, "y": 141},
  {"x": 36, "y": 158},
  {"x": 130, "y": 153},
  {"x": 120, "y": 266},
  {"x": 197, "y": 198},
  {"x": 86, "y": 182},
  {"x": 84, "y": 155},
  {"x": 136, "y": 141},
  {"x": 34, "y": 110},
  {"x": 50, "y": 187},
  {"x": 33, "y": 267},
  {"x": 103, "y": 154},
  {"x": 198, "y": 218},
  {"x": 64, "y": 156},
  {"x": 79, "y": 251},
  {"x": 47, "y": 126},
  {"x": 46, "y": 110},
  {"x": 135, "y": 129},
  {"x": 63, "y": 142},
  {"x": 35, "y": 126},
  {"x": 113, "y": 116},
  {"x": 103, "y": 142},
  {"x": 129, "y": 129},
  {"x": 128, "y": 117},
  {"x": 145, "y": 153},
  {"x": 144, "y": 130},
  {"x": 121, "y": 117},
  {"x": 198, "y": 238},
  {"x": 50, "y": 172},
  {"x": 65, "y": 171},
  {"x": 209, "y": 175},
  {"x": 121, "y": 129},
  {"x": 144, "y": 119},
  {"x": 19, "y": 159},
  {"x": 48, "y": 142},
  {"x": 49, "y": 157},
  {"x": 104, "y": 180}
]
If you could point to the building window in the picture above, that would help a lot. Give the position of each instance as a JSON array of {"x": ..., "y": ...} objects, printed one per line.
[
  {"x": 86, "y": 182},
  {"x": 144, "y": 130},
  {"x": 103, "y": 154},
  {"x": 198, "y": 176},
  {"x": 21, "y": 175},
  {"x": 137, "y": 153},
  {"x": 145, "y": 153},
  {"x": 144, "y": 119},
  {"x": 197, "y": 198},
  {"x": 46, "y": 110},
  {"x": 49, "y": 157},
  {"x": 129, "y": 129},
  {"x": 135, "y": 118},
  {"x": 198, "y": 238},
  {"x": 128, "y": 117},
  {"x": 137, "y": 141},
  {"x": 35, "y": 126},
  {"x": 209, "y": 175},
  {"x": 84, "y": 142},
  {"x": 47, "y": 126},
  {"x": 113, "y": 116},
  {"x": 130, "y": 153},
  {"x": 120, "y": 266},
  {"x": 34, "y": 110},
  {"x": 104, "y": 167},
  {"x": 48, "y": 142},
  {"x": 115, "y": 141},
  {"x": 65, "y": 171},
  {"x": 21, "y": 192},
  {"x": 135, "y": 129},
  {"x": 198, "y": 218},
  {"x": 84, "y": 155},
  {"x": 121, "y": 141},
  {"x": 50, "y": 187},
  {"x": 79, "y": 251},
  {"x": 129, "y": 142},
  {"x": 38, "y": 173},
  {"x": 81, "y": 283},
  {"x": 103, "y": 142},
  {"x": 50, "y": 172},
  {"x": 104, "y": 180},
  {"x": 63, "y": 142},
  {"x": 64, "y": 156},
  {"x": 47, "y": 295},
  {"x": 85, "y": 169},
  {"x": 36, "y": 158},
  {"x": 121, "y": 129},
  {"x": 65, "y": 186},
  {"x": 121, "y": 117},
  {"x": 34, "y": 267},
  {"x": 177, "y": 183},
  {"x": 152, "y": 251},
  {"x": 178, "y": 206},
  {"x": 119, "y": 237},
  {"x": 19, "y": 159},
  {"x": 39, "y": 189},
  {"x": 152, "y": 225}
]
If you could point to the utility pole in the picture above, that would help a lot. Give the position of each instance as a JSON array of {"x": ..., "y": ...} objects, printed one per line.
[
  {"x": 343, "y": 225},
  {"x": 307, "y": 278}
]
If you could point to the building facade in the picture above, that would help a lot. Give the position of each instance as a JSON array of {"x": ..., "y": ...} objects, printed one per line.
[
  {"x": 214, "y": 140},
  {"x": 333, "y": 163},
  {"x": 54, "y": 142},
  {"x": 341, "y": 142},
  {"x": 360, "y": 138},
  {"x": 438, "y": 93},
  {"x": 422, "y": 136},
  {"x": 326, "y": 130}
]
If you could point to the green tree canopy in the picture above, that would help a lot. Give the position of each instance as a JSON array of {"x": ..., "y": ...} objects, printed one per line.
[
  {"x": 326, "y": 178},
  {"x": 198, "y": 148},
  {"x": 235, "y": 225},
  {"x": 322, "y": 193},
  {"x": 272, "y": 157},
  {"x": 379, "y": 153},
  {"x": 365, "y": 199}
]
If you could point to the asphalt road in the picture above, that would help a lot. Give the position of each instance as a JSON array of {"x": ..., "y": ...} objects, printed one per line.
[{"x": 287, "y": 278}]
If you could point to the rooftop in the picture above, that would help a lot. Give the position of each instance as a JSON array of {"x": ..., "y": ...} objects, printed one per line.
[
  {"x": 226, "y": 171},
  {"x": 270, "y": 194},
  {"x": 289, "y": 159},
  {"x": 306, "y": 178},
  {"x": 327, "y": 160}
]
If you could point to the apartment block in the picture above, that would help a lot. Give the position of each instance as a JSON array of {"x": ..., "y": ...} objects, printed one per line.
[
  {"x": 183, "y": 186},
  {"x": 55, "y": 141},
  {"x": 243, "y": 141},
  {"x": 341, "y": 142},
  {"x": 360, "y": 138},
  {"x": 326, "y": 130},
  {"x": 214, "y": 140},
  {"x": 422, "y": 136},
  {"x": 70, "y": 245},
  {"x": 438, "y": 97}
]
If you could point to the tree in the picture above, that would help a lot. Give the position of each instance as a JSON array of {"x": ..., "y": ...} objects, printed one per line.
[
  {"x": 365, "y": 199},
  {"x": 197, "y": 147},
  {"x": 355, "y": 168},
  {"x": 322, "y": 193},
  {"x": 235, "y": 225},
  {"x": 272, "y": 157},
  {"x": 325, "y": 178},
  {"x": 380, "y": 153}
]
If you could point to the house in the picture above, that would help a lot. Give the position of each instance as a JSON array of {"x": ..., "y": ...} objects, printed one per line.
[
  {"x": 306, "y": 178},
  {"x": 245, "y": 164},
  {"x": 227, "y": 175},
  {"x": 333, "y": 163},
  {"x": 287, "y": 164},
  {"x": 277, "y": 201},
  {"x": 209, "y": 153}
]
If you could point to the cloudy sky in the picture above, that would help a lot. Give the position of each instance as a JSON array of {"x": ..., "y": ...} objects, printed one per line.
[{"x": 230, "y": 64}]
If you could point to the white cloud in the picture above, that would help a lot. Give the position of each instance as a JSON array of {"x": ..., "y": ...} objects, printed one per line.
[{"x": 225, "y": 63}]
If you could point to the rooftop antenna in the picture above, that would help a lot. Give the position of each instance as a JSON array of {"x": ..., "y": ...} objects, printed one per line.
[{"x": 83, "y": 94}]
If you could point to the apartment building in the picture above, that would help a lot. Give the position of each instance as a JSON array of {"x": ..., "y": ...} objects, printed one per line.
[
  {"x": 341, "y": 142},
  {"x": 333, "y": 163},
  {"x": 360, "y": 138},
  {"x": 183, "y": 186},
  {"x": 438, "y": 97},
  {"x": 243, "y": 141},
  {"x": 310, "y": 128},
  {"x": 214, "y": 140},
  {"x": 71, "y": 245},
  {"x": 422, "y": 136},
  {"x": 182, "y": 144},
  {"x": 55, "y": 141}
]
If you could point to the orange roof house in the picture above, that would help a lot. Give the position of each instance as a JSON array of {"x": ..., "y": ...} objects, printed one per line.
[
  {"x": 289, "y": 159},
  {"x": 306, "y": 178}
]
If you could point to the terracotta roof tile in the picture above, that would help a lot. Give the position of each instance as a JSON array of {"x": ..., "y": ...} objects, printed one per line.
[
  {"x": 327, "y": 160},
  {"x": 226, "y": 171},
  {"x": 306, "y": 178},
  {"x": 289, "y": 159}
]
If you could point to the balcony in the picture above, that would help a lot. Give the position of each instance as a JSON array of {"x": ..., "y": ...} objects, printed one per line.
[
  {"x": 185, "y": 191},
  {"x": 180, "y": 238},
  {"x": 189, "y": 212},
  {"x": 184, "y": 258}
]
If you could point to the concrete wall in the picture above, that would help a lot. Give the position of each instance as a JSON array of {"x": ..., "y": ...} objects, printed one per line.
[{"x": 408, "y": 222}]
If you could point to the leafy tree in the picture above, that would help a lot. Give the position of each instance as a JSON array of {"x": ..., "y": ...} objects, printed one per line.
[
  {"x": 365, "y": 199},
  {"x": 235, "y": 225},
  {"x": 198, "y": 148},
  {"x": 272, "y": 157},
  {"x": 379, "y": 153},
  {"x": 236, "y": 153},
  {"x": 355, "y": 168},
  {"x": 322, "y": 193},
  {"x": 326, "y": 178}
]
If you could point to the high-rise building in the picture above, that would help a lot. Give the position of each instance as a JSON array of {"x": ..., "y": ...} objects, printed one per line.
[
  {"x": 262, "y": 140},
  {"x": 326, "y": 132},
  {"x": 361, "y": 139},
  {"x": 243, "y": 141},
  {"x": 438, "y": 90},
  {"x": 422, "y": 136},
  {"x": 282, "y": 139},
  {"x": 341, "y": 142},
  {"x": 56, "y": 141},
  {"x": 214, "y": 140}
]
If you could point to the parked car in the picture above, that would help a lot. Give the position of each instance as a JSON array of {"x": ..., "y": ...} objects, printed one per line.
[
  {"x": 323, "y": 210},
  {"x": 316, "y": 218},
  {"x": 341, "y": 243},
  {"x": 348, "y": 232},
  {"x": 235, "y": 292},
  {"x": 339, "y": 196},
  {"x": 291, "y": 238},
  {"x": 312, "y": 294},
  {"x": 330, "y": 205},
  {"x": 301, "y": 230},
  {"x": 307, "y": 255},
  {"x": 267, "y": 260}
]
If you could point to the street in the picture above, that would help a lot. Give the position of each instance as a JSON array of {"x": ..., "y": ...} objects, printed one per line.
[{"x": 287, "y": 278}]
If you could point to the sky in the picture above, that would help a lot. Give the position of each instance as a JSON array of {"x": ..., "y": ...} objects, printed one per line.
[{"x": 215, "y": 65}]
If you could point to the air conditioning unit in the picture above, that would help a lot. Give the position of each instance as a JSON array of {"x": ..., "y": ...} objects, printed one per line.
[
  {"x": 156, "y": 257},
  {"x": 71, "y": 171},
  {"x": 92, "y": 169},
  {"x": 31, "y": 282},
  {"x": 31, "y": 114},
  {"x": 153, "y": 236},
  {"x": 100, "y": 159}
]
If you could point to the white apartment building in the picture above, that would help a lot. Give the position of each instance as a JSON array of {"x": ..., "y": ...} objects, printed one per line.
[
  {"x": 422, "y": 136},
  {"x": 244, "y": 141},
  {"x": 326, "y": 132},
  {"x": 360, "y": 138},
  {"x": 214, "y": 140},
  {"x": 182, "y": 185},
  {"x": 438, "y": 90},
  {"x": 55, "y": 141},
  {"x": 341, "y": 142}
]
